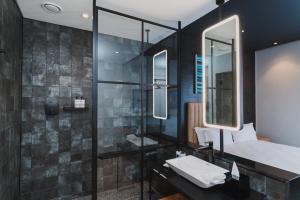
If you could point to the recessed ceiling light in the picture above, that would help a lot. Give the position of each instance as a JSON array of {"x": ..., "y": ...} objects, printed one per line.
[
  {"x": 85, "y": 15},
  {"x": 275, "y": 43},
  {"x": 116, "y": 52},
  {"x": 51, "y": 8},
  {"x": 243, "y": 31}
]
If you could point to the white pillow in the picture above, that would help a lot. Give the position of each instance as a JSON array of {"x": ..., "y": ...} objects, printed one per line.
[
  {"x": 248, "y": 133},
  {"x": 213, "y": 135},
  {"x": 200, "y": 135}
]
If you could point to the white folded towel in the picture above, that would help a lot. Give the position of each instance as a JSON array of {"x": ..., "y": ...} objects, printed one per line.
[{"x": 198, "y": 171}]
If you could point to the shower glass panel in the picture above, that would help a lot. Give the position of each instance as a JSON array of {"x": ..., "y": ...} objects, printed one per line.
[
  {"x": 119, "y": 106},
  {"x": 125, "y": 124},
  {"x": 160, "y": 39}
]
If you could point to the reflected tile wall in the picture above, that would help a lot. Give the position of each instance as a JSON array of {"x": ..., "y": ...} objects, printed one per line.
[
  {"x": 119, "y": 108},
  {"x": 56, "y": 150},
  {"x": 119, "y": 59},
  {"x": 10, "y": 98},
  {"x": 118, "y": 113}
]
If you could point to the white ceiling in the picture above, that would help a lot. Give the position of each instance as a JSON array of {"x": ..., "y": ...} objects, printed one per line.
[
  {"x": 163, "y": 11},
  {"x": 167, "y": 12},
  {"x": 70, "y": 16}
]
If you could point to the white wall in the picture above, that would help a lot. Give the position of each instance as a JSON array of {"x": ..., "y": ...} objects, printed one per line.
[{"x": 278, "y": 93}]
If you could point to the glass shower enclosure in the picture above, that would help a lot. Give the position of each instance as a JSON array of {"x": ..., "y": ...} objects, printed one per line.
[{"x": 125, "y": 129}]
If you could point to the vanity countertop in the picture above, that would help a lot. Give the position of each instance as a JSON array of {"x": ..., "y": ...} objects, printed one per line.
[
  {"x": 191, "y": 190},
  {"x": 250, "y": 165}
]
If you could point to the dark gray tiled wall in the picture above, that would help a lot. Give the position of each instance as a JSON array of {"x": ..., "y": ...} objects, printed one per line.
[
  {"x": 56, "y": 150},
  {"x": 10, "y": 98}
]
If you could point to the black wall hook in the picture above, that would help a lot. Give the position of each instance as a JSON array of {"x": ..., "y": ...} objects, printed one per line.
[{"x": 2, "y": 51}]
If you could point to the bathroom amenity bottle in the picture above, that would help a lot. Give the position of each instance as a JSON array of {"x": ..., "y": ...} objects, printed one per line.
[{"x": 79, "y": 103}]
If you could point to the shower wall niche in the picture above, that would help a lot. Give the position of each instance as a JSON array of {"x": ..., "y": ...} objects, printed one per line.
[{"x": 125, "y": 123}]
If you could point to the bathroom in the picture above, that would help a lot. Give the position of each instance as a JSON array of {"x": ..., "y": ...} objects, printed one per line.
[{"x": 99, "y": 97}]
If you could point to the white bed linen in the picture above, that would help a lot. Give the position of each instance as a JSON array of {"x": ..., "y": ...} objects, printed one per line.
[{"x": 268, "y": 153}]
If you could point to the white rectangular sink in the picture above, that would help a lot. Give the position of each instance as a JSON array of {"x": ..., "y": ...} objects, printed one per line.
[{"x": 199, "y": 172}]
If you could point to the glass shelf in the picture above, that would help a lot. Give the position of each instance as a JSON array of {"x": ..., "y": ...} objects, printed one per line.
[{"x": 72, "y": 108}]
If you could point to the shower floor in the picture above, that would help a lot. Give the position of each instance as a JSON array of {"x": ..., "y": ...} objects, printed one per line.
[{"x": 131, "y": 192}]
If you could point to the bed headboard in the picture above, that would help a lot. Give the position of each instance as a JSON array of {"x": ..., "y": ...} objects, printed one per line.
[{"x": 194, "y": 119}]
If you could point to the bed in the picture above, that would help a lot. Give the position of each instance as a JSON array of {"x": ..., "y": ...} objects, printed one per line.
[
  {"x": 276, "y": 155},
  {"x": 268, "y": 153}
]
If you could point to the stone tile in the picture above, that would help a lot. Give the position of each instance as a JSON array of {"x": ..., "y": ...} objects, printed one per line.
[
  {"x": 53, "y": 69},
  {"x": 26, "y": 139},
  {"x": 64, "y": 158},
  {"x": 65, "y": 92},
  {"x": 65, "y": 81},
  {"x": 275, "y": 189},
  {"x": 257, "y": 182},
  {"x": 53, "y": 92},
  {"x": 38, "y": 91},
  {"x": 26, "y": 91},
  {"x": 87, "y": 144},
  {"x": 26, "y": 103},
  {"x": 64, "y": 124},
  {"x": 52, "y": 139},
  {"x": 76, "y": 167},
  {"x": 65, "y": 70},
  {"x": 65, "y": 141},
  {"x": 52, "y": 80},
  {"x": 39, "y": 80},
  {"x": 77, "y": 92}
]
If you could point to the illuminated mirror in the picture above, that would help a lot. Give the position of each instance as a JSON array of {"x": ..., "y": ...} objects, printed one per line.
[
  {"x": 160, "y": 81},
  {"x": 222, "y": 104}
]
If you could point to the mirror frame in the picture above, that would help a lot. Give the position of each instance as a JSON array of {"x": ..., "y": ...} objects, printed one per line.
[
  {"x": 165, "y": 87},
  {"x": 239, "y": 76}
]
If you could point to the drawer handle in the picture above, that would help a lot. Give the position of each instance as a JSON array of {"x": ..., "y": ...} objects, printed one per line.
[{"x": 163, "y": 176}]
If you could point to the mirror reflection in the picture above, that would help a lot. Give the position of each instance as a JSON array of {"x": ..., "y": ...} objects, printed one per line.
[{"x": 221, "y": 74}]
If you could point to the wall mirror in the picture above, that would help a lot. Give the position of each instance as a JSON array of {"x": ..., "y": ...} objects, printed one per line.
[
  {"x": 222, "y": 79},
  {"x": 160, "y": 81}
]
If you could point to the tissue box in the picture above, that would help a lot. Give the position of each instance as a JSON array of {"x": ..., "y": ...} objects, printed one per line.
[{"x": 238, "y": 189}]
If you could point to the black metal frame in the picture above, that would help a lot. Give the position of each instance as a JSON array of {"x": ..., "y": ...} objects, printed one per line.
[
  {"x": 96, "y": 9},
  {"x": 95, "y": 100}
]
